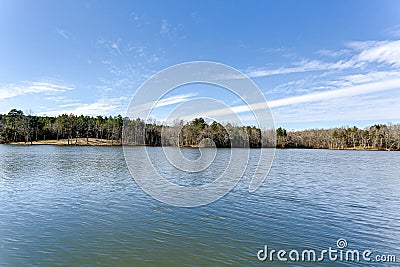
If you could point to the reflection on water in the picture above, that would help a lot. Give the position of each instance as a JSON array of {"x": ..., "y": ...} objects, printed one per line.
[{"x": 80, "y": 206}]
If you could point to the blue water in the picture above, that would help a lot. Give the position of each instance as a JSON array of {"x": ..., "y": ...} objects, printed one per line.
[{"x": 71, "y": 206}]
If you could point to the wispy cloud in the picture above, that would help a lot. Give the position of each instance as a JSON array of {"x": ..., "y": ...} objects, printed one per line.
[
  {"x": 97, "y": 108},
  {"x": 394, "y": 31},
  {"x": 305, "y": 66},
  {"x": 113, "y": 46},
  {"x": 332, "y": 53},
  {"x": 321, "y": 97},
  {"x": 361, "y": 89},
  {"x": 62, "y": 33},
  {"x": 104, "y": 106},
  {"x": 143, "y": 109},
  {"x": 116, "y": 105},
  {"x": 371, "y": 76},
  {"x": 379, "y": 52},
  {"x": 361, "y": 53},
  {"x": 174, "y": 100},
  {"x": 351, "y": 110},
  {"x": 164, "y": 29},
  {"x": 137, "y": 19},
  {"x": 171, "y": 31},
  {"x": 129, "y": 64},
  {"x": 24, "y": 88}
]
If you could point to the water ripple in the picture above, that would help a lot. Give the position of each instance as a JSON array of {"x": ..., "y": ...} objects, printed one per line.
[{"x": 79, "y": 206}]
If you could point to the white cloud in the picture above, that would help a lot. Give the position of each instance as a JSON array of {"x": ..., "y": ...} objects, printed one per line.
[
  {"x": 112, "y": 46},
  {"x": 394, "y": 31},
  {"x": 93, "y": 109},
  {"x": 338, "y": 93},
  {"x": 164, "y": 26},
  {"x": 13, "y": 90},
  {"x": 137, "y": 19},
  {"x": 332, "y": 53},
  {"x": 62, "y": 33},
  {"x": 305, "y": 66},
  {"x": 380, "y": 52},
  {"x": 144, "y": 109},
  {"x": 137, "y": 51},
  {"x": 104, "y": 107},
  {"x": 320, "y": 97},
  {"x": 174, "y": 100},
  {"x": 69, "y": 105},
  {"x": 171, "y": 31},
  {"x": 363, "y": 53},
  {"x": 96, "y": 108},
  {"x": 352, "y": 110},
  {"x": 370, "y": 76}
]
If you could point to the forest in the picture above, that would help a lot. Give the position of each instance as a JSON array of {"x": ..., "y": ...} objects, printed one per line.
[{"x": 25, "y": 128}]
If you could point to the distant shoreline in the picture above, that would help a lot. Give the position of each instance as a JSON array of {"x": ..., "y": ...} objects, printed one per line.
[
  {"x": 117, "y": 143},
  {"x": 72, "y": 142},
  {"x": 20, "y": 129}
]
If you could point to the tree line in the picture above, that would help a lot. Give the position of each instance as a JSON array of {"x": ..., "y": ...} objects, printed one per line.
[
  {"x": 378, "y": 136},
  {"x": 196, "y": 133},
  {"x": 19, "y": 127}
]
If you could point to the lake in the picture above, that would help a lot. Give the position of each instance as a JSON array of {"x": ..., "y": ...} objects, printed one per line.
[{"x": 74, "y": 206}]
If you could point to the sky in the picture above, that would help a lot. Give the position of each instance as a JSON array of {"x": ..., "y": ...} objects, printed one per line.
[{"x": 319, "y": 64}]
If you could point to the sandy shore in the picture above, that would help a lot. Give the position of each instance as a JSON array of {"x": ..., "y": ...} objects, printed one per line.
[{"x": 77, "y": 142}]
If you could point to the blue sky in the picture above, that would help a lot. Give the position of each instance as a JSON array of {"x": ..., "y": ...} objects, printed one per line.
[{"x": 318, "y": 63}]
